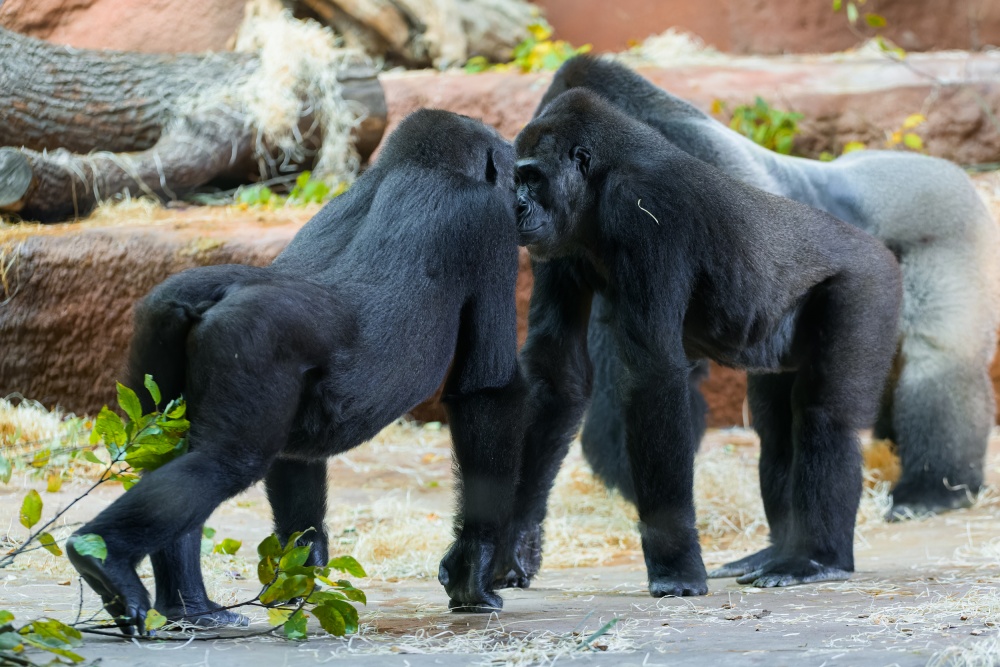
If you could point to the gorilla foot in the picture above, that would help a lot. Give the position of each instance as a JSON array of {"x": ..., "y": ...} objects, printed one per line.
[
  {"x": 467, "y": 573},
  {"x": 123, "y": 594},
  {"x": 677, "y": 587},
  {"x": 525, "y": 562},
  {"x": 792, "y": 571},
  {"x": 740, "y": 567},
  {"x": 915, "y": 503},
  {"x": 203, "y": 616}
]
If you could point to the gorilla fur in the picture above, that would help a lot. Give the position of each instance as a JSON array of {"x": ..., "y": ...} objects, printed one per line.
[
  {"x": 694, "y": 264},
  {"x": 411, "y": 271},
  {"x": 939, "y": 406}
]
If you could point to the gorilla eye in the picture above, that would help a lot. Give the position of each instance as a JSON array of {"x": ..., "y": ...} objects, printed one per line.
[
  {"x": 528, "y": 174},
  {"x": 581, "y": 156}
]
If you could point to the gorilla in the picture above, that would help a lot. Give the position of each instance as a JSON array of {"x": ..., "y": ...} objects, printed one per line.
[
  {"x": 938, "y": 407},
  {"x": 694, "y": 264},
  {"x": 409, "y": 274}
]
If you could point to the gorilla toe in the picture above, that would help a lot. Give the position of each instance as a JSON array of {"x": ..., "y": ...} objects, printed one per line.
[{"x": 791, "y": 572}]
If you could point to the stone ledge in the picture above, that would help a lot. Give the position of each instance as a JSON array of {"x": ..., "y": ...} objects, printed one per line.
[{"x": 843, "y": 98}]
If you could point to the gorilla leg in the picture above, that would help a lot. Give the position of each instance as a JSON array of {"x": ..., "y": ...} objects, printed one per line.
[
  {"x": 662, "y": 458},
  {"x": 297, "y": 492},
  {"x": 180, "y": 589},
  {"x": 603, "y": 437},
  {"x": 770, "y": 398},
  {"x": 164, "y": 507},
  {"x": 942, "y": 418},
  {"x": 483, "y": 424},
  {"x": 846, "y": 354},
  {"x": 943, "y": 404}
]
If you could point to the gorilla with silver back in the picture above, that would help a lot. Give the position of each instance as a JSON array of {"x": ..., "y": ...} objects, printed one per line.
[{"x": 938, "y": 407}]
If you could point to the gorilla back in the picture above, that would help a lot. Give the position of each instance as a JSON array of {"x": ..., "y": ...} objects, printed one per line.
[
  {"x": 358, "y": 320},
  {"x": 694, "y": 264},
  {"x": 938, "y": 407}
]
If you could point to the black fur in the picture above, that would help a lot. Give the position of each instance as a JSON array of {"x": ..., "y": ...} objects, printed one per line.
[
  {"x": 693, "y": 264},
  {"x": 938, "y": 407},
  {"x": 355, "y": 323}
]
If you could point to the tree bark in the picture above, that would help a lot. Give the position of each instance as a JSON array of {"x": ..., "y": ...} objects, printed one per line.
[{"x": 59, "y": 105}]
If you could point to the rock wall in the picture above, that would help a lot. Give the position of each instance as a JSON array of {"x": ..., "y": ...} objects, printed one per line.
[
  {"x": 776, "y": 26},
  {"x": 151, "y": 26}
]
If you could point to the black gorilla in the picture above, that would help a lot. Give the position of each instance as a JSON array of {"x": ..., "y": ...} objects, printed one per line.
[
  {"x": 693, "y": 264},
  {"x": 938, "y": 406},
  {"x": 352, "y": 325}
]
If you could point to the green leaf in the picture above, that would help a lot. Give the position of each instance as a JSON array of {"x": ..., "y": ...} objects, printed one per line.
[
  {"x": 228, "y": 546},
  {"x": 351, "y": 592},
  {"x": 109, "y": 428},
  {"x": 6, "y": 470},
  {"x": 154, "y": 619},
  {"x": 287, "y": 587},
  {"x": 129, "y": 402},
  {"x": 270, "y": 547},
  {"x": 31, "y": 509},
  {"x": 265, "y": 570},
  {"x": 295, "y": 558},
  {"x": 913, "y": 141},
  {"x": 10, "y": 641},
  {"x": 278, "y": 616},
  {"x": 295, "y": 627},
  {"x": 90, "y": 544},
  {"x": 208, "y": 532},
  {"x": 273, "y": 592},
  {"x": 331, "y": 620},
  {"x": 5, "y": 617},
  {"x": 347, "y": 611},
  {"x": 349, "y": 565},
  {"x": 875, "y": 20},
  {"x": 852, "y": 12},
  {"x": 152, "y": 388},
  {"x": 49, "y": 544},
  {"x": 90, "y": 456},
  {"x": 837, "y": 4}
]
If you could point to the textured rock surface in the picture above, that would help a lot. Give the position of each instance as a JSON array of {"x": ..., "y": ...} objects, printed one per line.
[
  {"x": 152, "y": 26},
  {"x": 775, "y": 26},
  {"x": 854, "y": 99}
]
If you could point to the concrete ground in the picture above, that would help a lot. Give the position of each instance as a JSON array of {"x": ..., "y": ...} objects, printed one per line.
[{"x": 925, "y": 592}]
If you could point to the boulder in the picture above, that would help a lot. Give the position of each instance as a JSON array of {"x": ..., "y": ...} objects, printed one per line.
[{"x": 160, "y": 26}]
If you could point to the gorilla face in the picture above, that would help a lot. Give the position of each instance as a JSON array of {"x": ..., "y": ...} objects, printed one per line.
[{"x": 553, "y": 197}]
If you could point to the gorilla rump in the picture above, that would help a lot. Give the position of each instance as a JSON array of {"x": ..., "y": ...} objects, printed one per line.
[
  {"x": 357, "y": 321},
  {"x": 938, "y": 407},
  {"x": 694, "y": 264}
]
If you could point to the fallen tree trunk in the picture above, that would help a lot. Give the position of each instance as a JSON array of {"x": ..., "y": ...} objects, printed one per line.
[{"x": 80, "y": 126}]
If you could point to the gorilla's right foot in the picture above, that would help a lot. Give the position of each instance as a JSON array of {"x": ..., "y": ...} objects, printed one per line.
[
  {"x": 123, "y": 594},
  {"x": 738, "y": 568}
]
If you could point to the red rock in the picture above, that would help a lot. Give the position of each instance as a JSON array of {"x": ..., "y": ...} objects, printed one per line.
[
  {"x": 850, "y": 100},
  {"x": 155, "y": 26},
  {"x": 774, "y": 26}
]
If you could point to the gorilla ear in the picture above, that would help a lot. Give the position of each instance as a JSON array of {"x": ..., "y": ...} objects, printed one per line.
[
  {"x": 491, "y": 168},
  {"x": 581, "y": 156}
]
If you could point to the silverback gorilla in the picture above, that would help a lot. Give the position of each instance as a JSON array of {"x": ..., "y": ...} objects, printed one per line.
[
  {"x": 352, "y": 325},
  {"x": 694, "y": 264},
  {"x": 938, "y": 407}
]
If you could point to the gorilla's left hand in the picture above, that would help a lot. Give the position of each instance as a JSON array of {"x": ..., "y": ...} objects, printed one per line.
[{"x": 468, "y": 572}]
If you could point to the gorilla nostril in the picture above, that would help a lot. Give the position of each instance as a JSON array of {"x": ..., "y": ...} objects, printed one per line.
[{"x": 522, "y": 207}]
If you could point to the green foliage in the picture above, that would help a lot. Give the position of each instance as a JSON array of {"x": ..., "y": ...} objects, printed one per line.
[
  {"x": 31, "y": 509},
  {"x": 143, "y": 442},
  {"x": 294, "y": 590},
  {"x": 537, "y": 53},
  {"x": 307, "y": 190},
  {"x": 771, "y": 128},
  {"x": 44, "y": 634},
  {"x": 91, "y": 544},
  {"x": 227, "y": 546}
]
